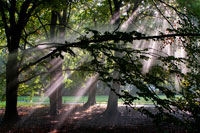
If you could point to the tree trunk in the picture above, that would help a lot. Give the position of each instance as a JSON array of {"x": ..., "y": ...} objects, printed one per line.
[
  {"x": 61, "y": 36},
  {"x": 54, "y": 84},
  {"x": 53, "y": 110},
  {"x": 112, "y": 106},
  {"x": 61, "y": 85},
  {"x": 13, "y": 23},
  {"x": 92, "y": 93},
  {"x": 59, "y": 99},
  {"x": 12, "y": 84}
]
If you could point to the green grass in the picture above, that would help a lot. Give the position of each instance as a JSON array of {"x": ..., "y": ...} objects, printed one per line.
[
  {"x": 26, "y": 101},
  {"x": 73, "y": 99}
]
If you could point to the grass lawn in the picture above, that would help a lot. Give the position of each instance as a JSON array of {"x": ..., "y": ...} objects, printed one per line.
[
  {"x": 73, "y": 99},
  {"x": 27, "y": 101}
]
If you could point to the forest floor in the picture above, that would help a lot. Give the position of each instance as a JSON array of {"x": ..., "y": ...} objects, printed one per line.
[{"x": 73, "y": 118}]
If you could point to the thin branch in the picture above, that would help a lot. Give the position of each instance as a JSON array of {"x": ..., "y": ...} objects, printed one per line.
[
  {"x": 41, "y": 59},
  {"x": 69, "y": 13},
  {"x": 43, "y": 26},
  {"x": 178, "y": 12},
  {"x": 136, "y": 4},
  {"x": 21, "y": 82},
  {"x": 162, "y": 14},
  {"x": 77, "y": 69},
  {"x": 39, "y": 74},
  {"x": 119, "y": 25},
  {"x": 110, "y": 5},
  {"x": 168, "y": 35}
]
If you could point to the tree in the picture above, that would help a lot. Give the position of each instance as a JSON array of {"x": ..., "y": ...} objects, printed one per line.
[
  {"x": 15, "y": 16},
  {"x": 63, "y": 17},
  {"x": 112, "y": 106}
]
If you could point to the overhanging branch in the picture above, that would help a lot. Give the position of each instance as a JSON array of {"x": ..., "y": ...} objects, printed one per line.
[{"x": 84, "y": 44}]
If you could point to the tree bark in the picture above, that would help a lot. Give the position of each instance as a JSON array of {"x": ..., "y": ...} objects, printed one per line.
[
  {"x": 59, "y": 100},
  {"x": 56, "y": 64},
  {"x": 13, "y": 29},
  {"x": 112, "y": 106},
  {"x": 92, "y": 93},
  {"x": 11, "y": 113},
  {"x": 54, "y": 86},
  {"x": 61, "y": 85},
  {"x": 12, "y": 73},
  {"x": 53, "y": 110},
  {"x": 62, "y": 21}
]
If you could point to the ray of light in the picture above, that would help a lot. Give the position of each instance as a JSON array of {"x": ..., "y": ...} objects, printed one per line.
[{"x": 81, "y": 92}]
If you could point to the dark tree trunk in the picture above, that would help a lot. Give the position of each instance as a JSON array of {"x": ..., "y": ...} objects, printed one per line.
[
  {"x": 56, "y": 101},
  {"x": 11, "y": 113},
  {"x": 62, "y": 22},
  {"x": 13, "y": 29},
  {"x": 61, "y": 85},
  {"x": 12, "y": 73},
  {"x": 54, "y": 84},
  {"x": 59, "y": 100},
  {"x": 53, "y": 26},
  {"x": 53, "y": 109},
  {"x": 92, "y": 93}
]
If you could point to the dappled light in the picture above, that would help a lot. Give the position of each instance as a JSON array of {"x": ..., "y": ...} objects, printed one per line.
[{"x": 99, "y": 66}]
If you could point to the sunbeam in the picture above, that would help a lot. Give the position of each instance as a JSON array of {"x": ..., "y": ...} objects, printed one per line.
[{"x": 81, "y": 92}]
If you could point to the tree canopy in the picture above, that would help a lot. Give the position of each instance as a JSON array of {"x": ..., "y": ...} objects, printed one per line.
[{"x": 153, "y": 45}]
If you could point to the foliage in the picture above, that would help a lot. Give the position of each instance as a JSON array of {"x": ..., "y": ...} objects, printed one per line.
[{"x": 129, "y": 66}]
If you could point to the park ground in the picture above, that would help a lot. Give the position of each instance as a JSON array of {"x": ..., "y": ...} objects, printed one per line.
[{"x": 74, "y": 118}]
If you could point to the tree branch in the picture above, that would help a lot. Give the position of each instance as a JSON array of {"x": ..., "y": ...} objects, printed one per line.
[
  {"x": 178, "y": 12},
  {"x": 85, "y": 43},
  {"x": 110, "y": 5},
  {"x": 24, "y": 81},
  {"x": 41, "y": 59},
  {"x": 4, "y": 19},
  {"x": 45, "y": 30},
  {"x": 12, "y": 13},
  {"x": 162, "y": 14}
]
